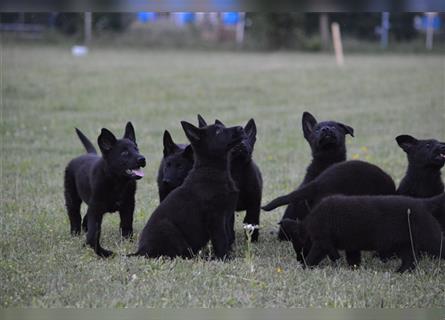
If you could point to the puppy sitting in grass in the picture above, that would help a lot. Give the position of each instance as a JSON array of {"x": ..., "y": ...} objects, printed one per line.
[
  {"x": 399, "y": 224},
  {"x": 196, "y": 212},
  {"x": 327, "y": 142},
  {"x": 425, "y": 160},
  {"x": 105, "y": 184}
]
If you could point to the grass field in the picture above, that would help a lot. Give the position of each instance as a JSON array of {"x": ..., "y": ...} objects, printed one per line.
[{"x": 46, "y": 93}]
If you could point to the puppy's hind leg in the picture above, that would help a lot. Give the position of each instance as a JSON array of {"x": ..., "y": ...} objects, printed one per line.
[
  {"x": 316, "y": 254},
  {"x": 72, "y": 202},
  {"x": 408, "y": 262}
]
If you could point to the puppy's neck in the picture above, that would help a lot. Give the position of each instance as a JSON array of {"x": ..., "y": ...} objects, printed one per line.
[
  {"x": 421, "y": 173},
  {"x": 220, "y": 163}
]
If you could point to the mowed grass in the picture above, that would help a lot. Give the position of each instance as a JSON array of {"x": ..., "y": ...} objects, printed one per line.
[{"x": 46, "y": 93}]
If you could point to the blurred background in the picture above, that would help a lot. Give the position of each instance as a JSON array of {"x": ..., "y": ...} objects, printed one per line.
[{"x": 361, "y": 32}]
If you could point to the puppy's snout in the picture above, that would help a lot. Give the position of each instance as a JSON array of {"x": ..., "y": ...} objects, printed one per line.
[
  {"x": 141, "y": 161},
  {"x": 166, "y": 181}
]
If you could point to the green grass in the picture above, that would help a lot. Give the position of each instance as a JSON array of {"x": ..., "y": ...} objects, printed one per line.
[{"x": 46, "y": 93}]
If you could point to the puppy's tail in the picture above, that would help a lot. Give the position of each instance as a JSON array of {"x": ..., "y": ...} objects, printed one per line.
[
  {"x": 303, "y": 193},
  {"x": 86, "y": 142}
]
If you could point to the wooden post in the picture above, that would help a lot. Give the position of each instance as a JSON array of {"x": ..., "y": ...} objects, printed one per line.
[
  {"x": 88, "y": 19},
  {"x": 336, "y": 39}
]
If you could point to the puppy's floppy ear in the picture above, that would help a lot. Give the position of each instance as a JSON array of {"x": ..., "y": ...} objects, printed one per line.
[
  {"x": 192, "y": 133},
  {"x": 201, "y": 122},
  {"x": 250, "y": 128},
  {"x": 106, "y": 140},
  {"x": 406, "y": 141},
  {"x": 169, "y": 146},
  {"x": 347, "y": 129},
  {"x": 308, "y": 122},
  {"x": 220, "y": 123},
  {"x": 188, "y": 152},
  {"x": 129, "y": 132}
]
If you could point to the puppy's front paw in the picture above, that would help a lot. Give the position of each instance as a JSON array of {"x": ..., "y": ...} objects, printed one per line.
[{"x": 104, "y": 253}]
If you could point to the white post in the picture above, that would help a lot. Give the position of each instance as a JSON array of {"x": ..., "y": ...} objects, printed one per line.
[
  {"x": 240, "y": 28},
  {"x": 336, "y": 39},
  {"x": 429, "y": 29}
]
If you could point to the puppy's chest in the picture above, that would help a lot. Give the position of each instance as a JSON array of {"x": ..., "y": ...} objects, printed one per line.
[{"x": 116, "y": 199}]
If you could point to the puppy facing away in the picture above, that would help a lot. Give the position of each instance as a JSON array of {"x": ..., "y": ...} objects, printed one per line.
[
  {"x": 174, "y": 167},
  {"x": 399, "y": 224},
  {"x": 196, "y": 211},
  {"x": 105, "y": 184},
  {"x": 246, "y": 175},
  {"x": 425, "y": 160},
  {"x": 327, "y": 142},
  {"x": 353, "y": 177}
]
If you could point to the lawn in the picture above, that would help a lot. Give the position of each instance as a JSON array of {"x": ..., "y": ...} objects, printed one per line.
[{"x": 46, "y": 93}]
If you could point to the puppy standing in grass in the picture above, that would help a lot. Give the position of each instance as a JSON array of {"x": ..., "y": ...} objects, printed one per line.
[
  {"x": 327, "y": 142},
  {"x": 196, "y": 212},
  {"x": 399, "y": 224},
  {"x": 105, "y": 184}
]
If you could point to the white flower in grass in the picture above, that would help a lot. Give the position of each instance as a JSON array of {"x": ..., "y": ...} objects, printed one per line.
[{"x": 251, "y": 227}]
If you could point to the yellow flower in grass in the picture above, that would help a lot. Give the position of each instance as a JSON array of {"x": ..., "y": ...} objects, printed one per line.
[
  {"x": 355, "y": 156},
  {"x": 279, "y": 270}
]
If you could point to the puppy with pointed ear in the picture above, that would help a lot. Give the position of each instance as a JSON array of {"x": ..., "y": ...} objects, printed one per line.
[
  {"x": 327, "y": 142},
  {"x": 106, "y": 140},
  {"x": 406, "y": 142},
  {"x": 201, "y": 122},
  {"x": 175, "y": 165},
  {"x": 106, "y": 184},
  {"x": 169, "y": 146},
  {"x": 308, "y": 123},
  {"x": 425, "y": 160},
  {"x": 193, "y": 133}
]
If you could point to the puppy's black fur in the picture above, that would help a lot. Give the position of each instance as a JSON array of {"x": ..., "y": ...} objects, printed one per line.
[
  {"x": 425, "y": 160},
  {"x": 243, "y": 168},
  {"x": 105, "y": 184},
  {"x": 175, "y": 165},
  {"x": 349, "y": 178},
  {"x": 353, "y": 177},
  {"x": 196, "y": 212},
  {"x": 327, "y": 142},
  {"x": 246, "y": 175},
  {"x": 364, "y": 223}
]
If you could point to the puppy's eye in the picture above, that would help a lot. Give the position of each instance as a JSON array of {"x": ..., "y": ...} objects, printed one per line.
[
  {"x": 218, "y": 131},
  {"x": 333, "y": 128},
  {"x": 428, "y": 145},
  {"x": 124, "y": 153}
]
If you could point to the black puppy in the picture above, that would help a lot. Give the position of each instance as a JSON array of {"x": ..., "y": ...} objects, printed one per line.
[
  {"x": 425, "y": 159},
  {"x": 175, "y": 165},
  {"x": 247, "y": 177},
  {"x": 196, "y": 212},
  {"x": 105, "y": 184},
  {"x": 349, "y": 178},
  {"x": 399, "y": 224},
  {"x": 327, "y": 142}
]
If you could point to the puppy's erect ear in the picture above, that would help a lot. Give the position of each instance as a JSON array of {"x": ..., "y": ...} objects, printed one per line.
[
  {"x": 192, "y": 133},
  {"x": 250, "y": 129},
  {"x": 201, "y": 122},
  {"x": 129, "y": 132},
  {"x": 106, "y": 140},
  {"x": 347, "y": 129},
  {"x": 308, "y": 122},
  {"x": 406, "y": 142},
  {"x": 169, "y": 146},
  {"x": 188, "y": 152},
  {"x": 220, "y": 123}
]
